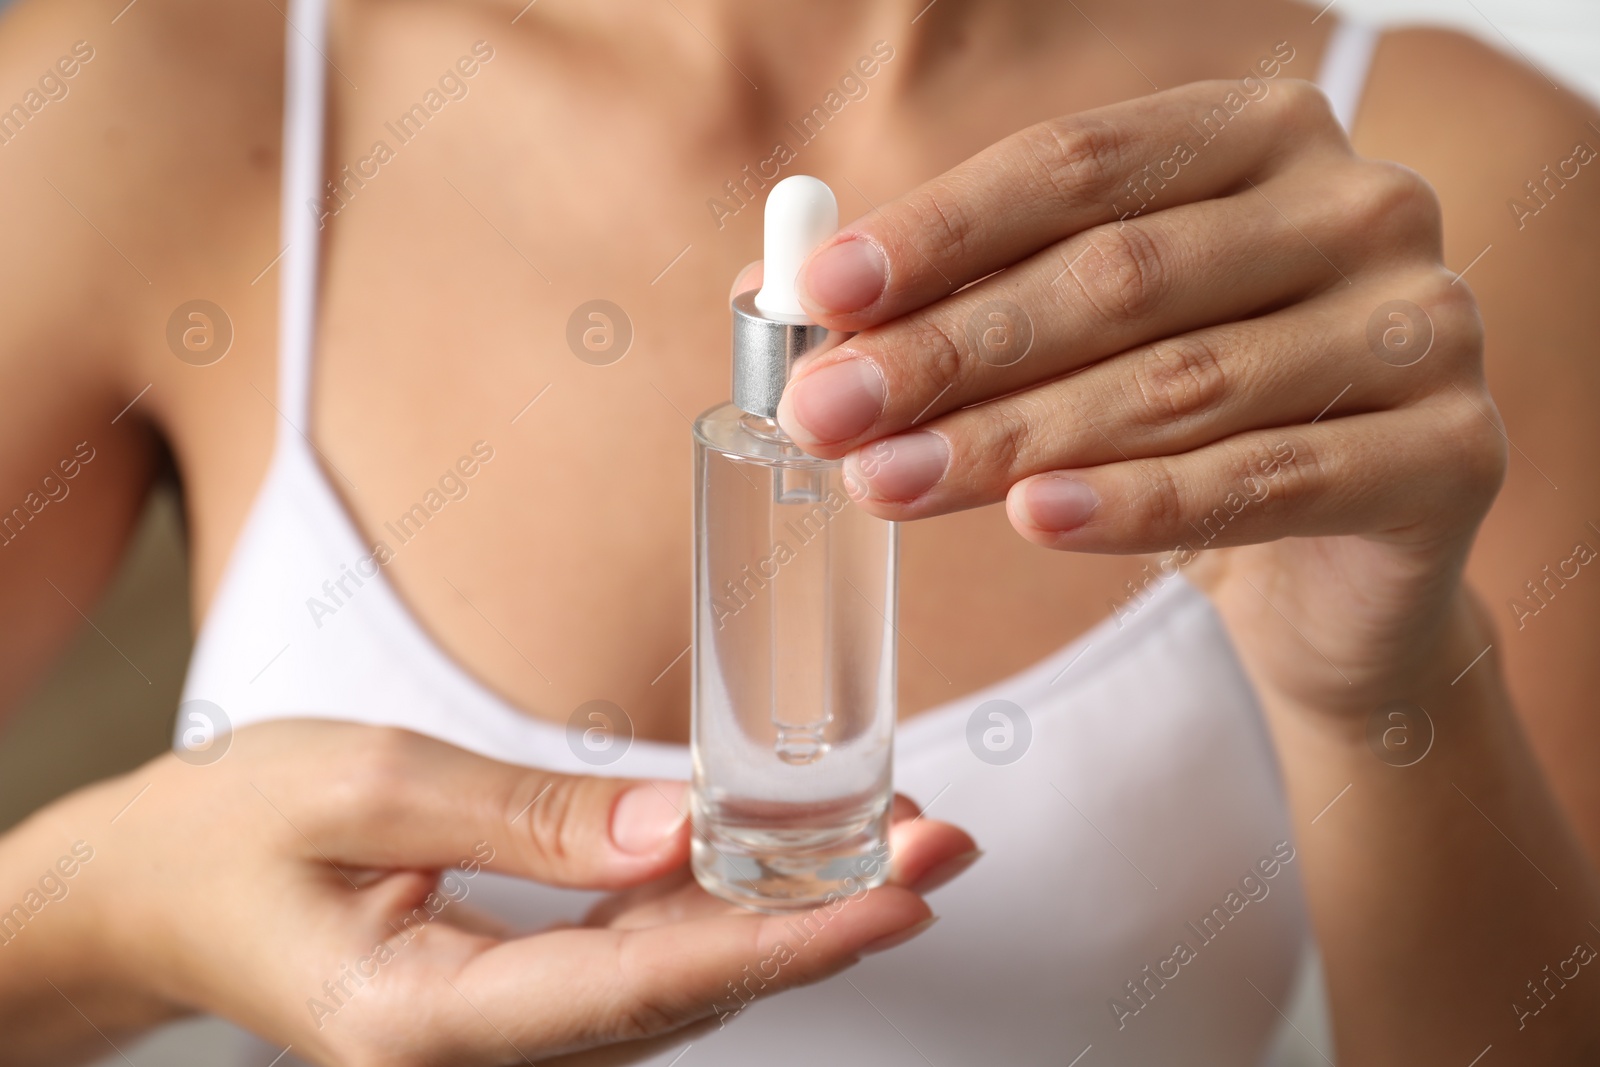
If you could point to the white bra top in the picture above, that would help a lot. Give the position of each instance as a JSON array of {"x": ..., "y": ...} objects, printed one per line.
[{"x": 1147, "y": 795}]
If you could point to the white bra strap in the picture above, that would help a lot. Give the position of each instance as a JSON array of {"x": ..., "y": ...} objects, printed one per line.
[
  {"x": 305, "y": 88},
  {"x": 1345, "y": 61}
]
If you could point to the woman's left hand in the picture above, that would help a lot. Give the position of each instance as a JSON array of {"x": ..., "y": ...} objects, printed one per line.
[{"x": 1191, "y": 321}]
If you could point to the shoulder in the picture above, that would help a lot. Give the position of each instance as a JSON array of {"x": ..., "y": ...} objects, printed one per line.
[
  {"x": 1499, "y": 140},
  {"x": 130, "y": 135},
  {"x": 117, "y": 60},
  {"x": 125, "y": 133}
]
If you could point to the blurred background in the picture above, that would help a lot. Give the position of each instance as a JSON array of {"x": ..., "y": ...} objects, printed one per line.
[{"x": 95, "y": 716}]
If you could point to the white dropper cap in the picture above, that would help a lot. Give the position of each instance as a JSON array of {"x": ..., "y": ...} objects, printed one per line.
[
  {"x": 801, "y": 214},
  {"x": 770, "y": 328}
]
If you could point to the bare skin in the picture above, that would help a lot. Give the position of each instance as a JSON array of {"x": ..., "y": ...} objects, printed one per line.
[{"x": 448, "y": 282}]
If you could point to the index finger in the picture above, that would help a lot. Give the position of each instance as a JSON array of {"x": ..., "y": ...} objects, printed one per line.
[{"x": 1052, "y": 180}]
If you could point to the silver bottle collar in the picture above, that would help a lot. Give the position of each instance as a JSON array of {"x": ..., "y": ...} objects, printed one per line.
[{"x": 765, "y": 348}]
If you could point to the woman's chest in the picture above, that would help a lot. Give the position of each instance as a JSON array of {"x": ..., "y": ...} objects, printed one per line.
[
  {"x": 558, "y": 569},
  {"x": 519, "y": 314}
]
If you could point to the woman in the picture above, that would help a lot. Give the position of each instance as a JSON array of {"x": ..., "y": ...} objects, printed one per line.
[{"x": 1246, "y": 360}]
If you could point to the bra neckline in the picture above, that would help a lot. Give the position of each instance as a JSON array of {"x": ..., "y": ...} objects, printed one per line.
[{"x": 294, "y": 462}]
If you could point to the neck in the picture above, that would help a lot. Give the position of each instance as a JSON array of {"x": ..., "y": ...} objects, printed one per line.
[{"x": 777, "y": 44}]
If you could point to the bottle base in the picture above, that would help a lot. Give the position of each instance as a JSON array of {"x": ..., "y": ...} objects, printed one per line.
[{"x": 782, "y": 870}]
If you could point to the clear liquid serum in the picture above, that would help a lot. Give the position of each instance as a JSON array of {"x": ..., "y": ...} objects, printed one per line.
[{"x": 794, "y": 635}]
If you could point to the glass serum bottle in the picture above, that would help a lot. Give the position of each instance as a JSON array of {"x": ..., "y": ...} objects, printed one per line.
[{"x": 794, "y": 631}]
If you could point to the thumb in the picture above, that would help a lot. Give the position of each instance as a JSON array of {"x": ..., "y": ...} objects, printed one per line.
[{"x": 386, "y": 797}]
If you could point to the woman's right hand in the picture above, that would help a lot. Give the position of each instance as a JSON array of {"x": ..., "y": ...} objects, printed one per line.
[{"x": 256, "y": 886}]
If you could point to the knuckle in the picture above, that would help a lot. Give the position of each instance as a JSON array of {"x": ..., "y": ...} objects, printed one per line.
[
  {"x": 1451, "y": 305},
  {"x": 552, "y": 832},
  {"x": 1076, "y": 157},
  {"x": 1122, "y": 272},
  {"x": 375, "y": 774},
  {"x": 1175, "y": 379},
  {"x": 940, "y": 361},
  {"x": 1164, "y": 504},
  {"x": 1449, "y": 325},
  {"x": 1304, "y": 106},
  {"x": 1475, "y": 430},
  {"x": 1300, "y": 469},
  {"x": 1464, "y": 330},
  {"x": 1262, "y": 484},
  {"x": 520, "y": 794},
  {"x": 1010, "y": 447},
  {"x": 1425, "y": 204},
  {"x": 939, "y": 215},
  {"x": 1394, "y": 199}
]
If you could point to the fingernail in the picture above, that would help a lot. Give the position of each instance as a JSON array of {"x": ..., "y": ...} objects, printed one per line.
[
  {"x": 902, "y": 467},
  {"x": 844, "y": 277},
  {"x": 839, "y": 401},
  {"x": 1059, "y": 504},
  {"x": 647, "y": 815},
  {"x": 883, "y": 944},
  {"x": 947, "y": 871}
]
